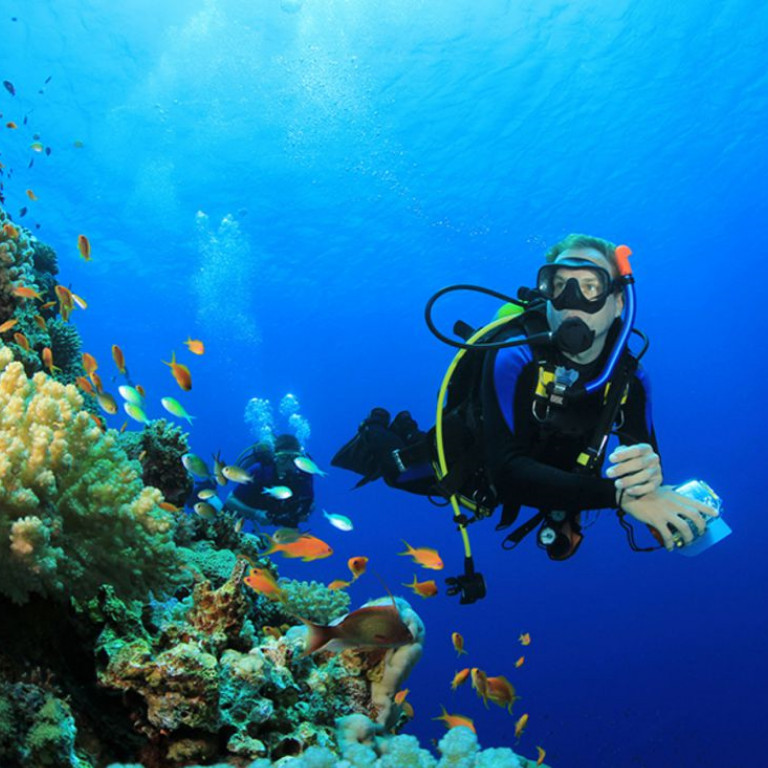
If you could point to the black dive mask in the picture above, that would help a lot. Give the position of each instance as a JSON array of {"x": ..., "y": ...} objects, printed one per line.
[{"x": 576, "y": 284}]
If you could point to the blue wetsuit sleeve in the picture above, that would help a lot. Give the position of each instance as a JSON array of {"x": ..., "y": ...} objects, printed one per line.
[{"x": 511, "y": 441}]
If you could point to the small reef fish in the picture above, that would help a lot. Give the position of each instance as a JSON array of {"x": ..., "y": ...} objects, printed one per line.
[
  {"x": 357, "y": 565},
  {"x": 525, "y": 638},
  {"x": 458, "y": 643},
  {"x": 168, "y": 507},
  {"x": 36, "y": 146},
  {"x": 280, "y": 492},
  {"x": 10, "y": 124},
  {"x": 501, "y": 692},
  {"x": 400, "y": 696},
  {"x": 107, "y": 402},
  {"x": 542, "y": 754},
  {"x": 180, "y": 373},
  {"x": 262, "y": 581},
  {"x": 218, "y": 469},
  {"x": 81, "y": 302},
  {"x": 286, "y": 535},
  {"x": 338, "y": 584},
  {"x": 9, "y": 87},
  {"x": 21, "y": 340},
  {"x": 66, "y": 302},
  {"x": 31, "y": 195},
  {"x": 195, "y": 346},
  {"x": 195, "y": 465},
  {"x": 136, "y": 412},
  {"x": 305, "y": 464},
  {"x": 205, "y": 494},
  {"x": 10, "y": 231},
  {"x": 176, "y": 408},
  {"x": 307, "y": 547},
  {"x": 520, "y": 725},
  {"x": 47, "y": 305},
  {"x": 8, "y": 324},
  {"x": 238, "y": 526},
  {"x": 118, "y": 357},
  {"x": 519, "y": 663},
  {"x": 40, "y": 322},
  {"x": 237, "y": 474},
  {"x": 408, "y": 709},
  {"x": 140, "y": 390},
  {"x": 25, "y": 292},
  {"x": 205, "y": 510},
  {"x": 270, "y": 631},
  {"x": 372, "y": 626},
  {"x": 84, "y": 384},
  {"x": 96, "y": 379},
  {"x": 131, "y": 394},
  {"x": 480, "y": 684},
  {"x": 338, "y": 521},
  {"x": 47, "y": 356},
  {"x": 460, "y": 678},
  {"x": 423, "y": 588},
  {"x": 424, "y": 556},
  {"x": 84, "y": 246},
  {"x": 89, "y": 362},
  {"x": 454, "y": 721}
]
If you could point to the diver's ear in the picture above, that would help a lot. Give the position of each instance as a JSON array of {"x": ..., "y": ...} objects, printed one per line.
[{"x": 619, "y": 304}]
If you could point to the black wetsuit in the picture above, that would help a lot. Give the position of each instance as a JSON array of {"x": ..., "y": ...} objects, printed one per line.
[{"x": 531, "y": 462}]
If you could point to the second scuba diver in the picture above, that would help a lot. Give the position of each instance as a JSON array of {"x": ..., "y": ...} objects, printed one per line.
[{"x": 529, "y": 411}]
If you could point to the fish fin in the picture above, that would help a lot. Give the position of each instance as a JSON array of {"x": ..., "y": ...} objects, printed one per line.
[{"x": 318, "y": 635}]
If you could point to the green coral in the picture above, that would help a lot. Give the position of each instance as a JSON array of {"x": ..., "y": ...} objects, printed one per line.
[{"x": 313, "y": 600}]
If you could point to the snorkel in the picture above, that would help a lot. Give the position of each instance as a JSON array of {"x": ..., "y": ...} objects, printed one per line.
[{"x": 623, "y": 253}]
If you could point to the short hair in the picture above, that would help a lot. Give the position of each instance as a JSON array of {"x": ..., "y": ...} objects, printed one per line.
[{"x": 606, "y": 247}]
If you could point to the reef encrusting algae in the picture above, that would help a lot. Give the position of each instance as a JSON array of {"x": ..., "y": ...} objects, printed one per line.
[{"x": 127, "y": 632}]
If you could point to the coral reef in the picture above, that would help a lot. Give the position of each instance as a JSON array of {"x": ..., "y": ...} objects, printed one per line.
[
  {"x": 159, "y": 447},
  {"x": 73, "y": 510}
]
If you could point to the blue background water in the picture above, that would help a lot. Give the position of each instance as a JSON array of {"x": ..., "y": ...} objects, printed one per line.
[{"x": 367, "y": 154}]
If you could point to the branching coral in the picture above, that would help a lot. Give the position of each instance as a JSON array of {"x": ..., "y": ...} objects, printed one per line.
[{"x": 73, "y": 510}]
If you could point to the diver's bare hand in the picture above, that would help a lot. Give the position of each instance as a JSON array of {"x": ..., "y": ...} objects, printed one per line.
[
  {"x": 636, "y": 469},
  {"x": 664, "y": 507}
]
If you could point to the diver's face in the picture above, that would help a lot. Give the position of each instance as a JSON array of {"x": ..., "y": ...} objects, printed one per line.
[{"x": 600, "y": 321}]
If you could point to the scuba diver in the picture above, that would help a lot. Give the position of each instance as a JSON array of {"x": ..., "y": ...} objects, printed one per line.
[
  {"x": 280, "y": 494},
  {"x": 525, "y": 413}
]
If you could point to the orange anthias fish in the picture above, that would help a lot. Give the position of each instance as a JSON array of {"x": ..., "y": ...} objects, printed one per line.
[
  {"x": 66, "y": 301},
  {"x": 339, "y": 584},
  {"x": 453, "y": 721},
  {"x": 21, "y": 340},
  {"x": 423, "y": 588},
  {"x": 357, "y": 565},
  {"x": 180, "y": 373},
  {"x": 96, "y": 379},
  {"x": 119, "y": 358},
  {"x": 31, "y": 195},
  {"x": 25, "y": 292},
  {"x": 501, "y": 692},
  {"x": 520, "y": 725},
  {"x": 400, "y": 696},
  {"x": 460, "y": 678},
  {"x": 89, "y": 363},
  {"x": 84, "y": 246},
  {"x": 195, "y": 346},
  {"x": 48, "y": 360},
  {"x": 540, "y": 758},
  {"x": 372, "y": 626},
  {"x": 8, "y": 324},
  {"x": 262, "y": 581},
  {"x": 307, "y": 547},
  {"x": 424, "y": 556},
  {"x": 84, "y": 384},
  {"x": 525, "y": 638},
  {"x": 40, "y": 322},
  {"x": 519, "y": 662},
  {"x": 480, "y": 684},
  {"x": 168, "y": 507},
  {"x": 458, "y": 643}
]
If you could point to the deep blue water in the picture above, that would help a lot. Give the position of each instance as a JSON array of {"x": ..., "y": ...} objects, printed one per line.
[{"x": 367, "y": 154}]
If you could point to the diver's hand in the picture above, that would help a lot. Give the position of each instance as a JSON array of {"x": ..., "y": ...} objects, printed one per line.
[
  {"x": 636, "y": 470},
  {"x": 664, "y": 507}
]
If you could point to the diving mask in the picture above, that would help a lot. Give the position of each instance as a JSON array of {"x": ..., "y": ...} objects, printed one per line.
[{"x": 576, "y": 284}]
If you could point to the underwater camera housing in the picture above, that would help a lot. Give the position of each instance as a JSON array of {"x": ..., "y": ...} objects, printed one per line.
[{"x": 470, "y": 585}]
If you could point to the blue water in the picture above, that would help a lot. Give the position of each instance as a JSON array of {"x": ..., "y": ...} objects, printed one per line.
[{"x": 362, "y": 155}]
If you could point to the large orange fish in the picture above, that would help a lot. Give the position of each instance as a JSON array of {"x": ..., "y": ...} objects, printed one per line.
[
  {"x": 84, "y": 246},
  {"x": 372, "y": 626},
  {"x": 424, "y": 556},
  {"x": 180, "y": 373},
  {"x": 454, "y": 721},
  {"x": 119, "y": 358},
  {"x": 307, "y": 547},
  {"x": 25, "y": 292},
  {"x": 501, "y": 692}
]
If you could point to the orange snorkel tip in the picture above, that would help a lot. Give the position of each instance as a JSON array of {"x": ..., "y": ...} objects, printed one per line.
[{"x": 623, "y": 252}]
